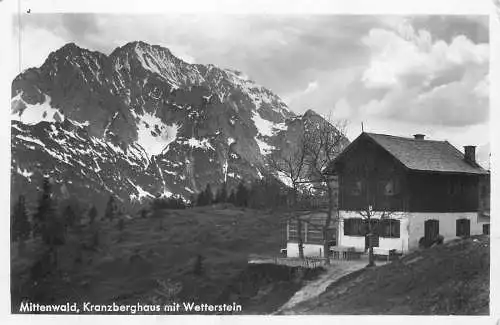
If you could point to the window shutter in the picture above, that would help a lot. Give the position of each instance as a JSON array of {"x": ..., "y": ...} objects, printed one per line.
[
  {"x": 397, "y": 228},
  {"x": 386, "y": 228},
  {"x": 347, "y": 227}
]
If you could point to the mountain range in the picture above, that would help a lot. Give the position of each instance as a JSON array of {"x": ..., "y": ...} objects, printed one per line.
[{"x": 140, "y": 123}]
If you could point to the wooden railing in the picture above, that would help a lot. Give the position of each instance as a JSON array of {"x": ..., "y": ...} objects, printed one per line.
[{"x": 307, "y": 262}]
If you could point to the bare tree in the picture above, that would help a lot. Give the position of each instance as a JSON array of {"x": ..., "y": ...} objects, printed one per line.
[
  {"x": 324, "y": 140},
  {"x": 290, "y": 165},
  {"x": 369, "y": 215},
  {"x": 303, "y": 163},
  {"x": 374, "y": 203}
]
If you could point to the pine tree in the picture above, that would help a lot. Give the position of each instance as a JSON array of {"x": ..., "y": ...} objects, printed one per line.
[
  {"x": 92, "y": 214},
  {"x": 69, "y": 217},
  {"x": 232, "y": 197},
  {"x": 20, "y": 226},
  {"x": 121, "y": 224},
  {"x": 201, "y": 199},
  {"x": 221, "y": 196},
  {"x": 48, "y": 223},
  {"x": 111, "y": 209},
  {"x": 209, "y": 196},
  {"x": 192, "y": 200},
  {"x": 241, "y": 195},
  {"x": 45, "y": 209}
]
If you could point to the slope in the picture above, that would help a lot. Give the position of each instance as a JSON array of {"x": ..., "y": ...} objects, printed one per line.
[{"x": 452, "y": 279}]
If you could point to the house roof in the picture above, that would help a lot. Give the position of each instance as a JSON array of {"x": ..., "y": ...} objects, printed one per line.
[
  {"x": 426, "y": 155},
  {"x": 420, "y": 155}
]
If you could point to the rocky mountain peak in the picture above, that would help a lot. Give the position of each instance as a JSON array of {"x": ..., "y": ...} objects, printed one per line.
[{"x": 140, "y": 122}]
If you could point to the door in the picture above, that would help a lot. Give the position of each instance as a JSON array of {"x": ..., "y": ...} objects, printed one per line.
[
  {"x": 463, "y": 228},
  {"x": 431, "y": 229}
]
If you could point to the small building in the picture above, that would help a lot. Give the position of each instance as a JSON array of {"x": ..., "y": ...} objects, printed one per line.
[
  {"x": 415, "y": 188},
  {"x": 312, "y": 211}
]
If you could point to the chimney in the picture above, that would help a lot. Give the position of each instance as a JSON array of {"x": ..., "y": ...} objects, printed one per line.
[
  {"x": 419, "y": 136},
  {"x": 470, "y": 153}
]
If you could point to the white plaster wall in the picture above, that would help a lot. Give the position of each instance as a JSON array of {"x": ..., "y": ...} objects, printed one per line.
[
  {"x": 412, "y": 229},
  {"x": 447, "y": 225},
  {"x": 313, "y": 250},
  {"x": 400, "y": 244},
  {"x": 357, "y": 242}
]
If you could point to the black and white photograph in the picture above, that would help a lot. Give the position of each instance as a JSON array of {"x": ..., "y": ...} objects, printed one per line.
[{"x": 249, "y": 163}]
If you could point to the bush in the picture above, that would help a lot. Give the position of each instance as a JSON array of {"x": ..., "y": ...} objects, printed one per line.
[{"x": 428, "y": 242}]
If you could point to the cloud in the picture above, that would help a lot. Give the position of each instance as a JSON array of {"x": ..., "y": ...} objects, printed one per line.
[
  {"x": 342, "y": 109},
  {"x": 447, "y": 27},
  {"x": 398, "y": 73},
  {"x": 33, "y": 47},
  {"x": 278, "y": 51},
  {"x": 313, "y": 85},
  {"x": 426, "y": 81}
]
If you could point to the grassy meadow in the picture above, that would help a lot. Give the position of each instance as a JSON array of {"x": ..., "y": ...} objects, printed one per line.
[{"x": 190, "y": 254}]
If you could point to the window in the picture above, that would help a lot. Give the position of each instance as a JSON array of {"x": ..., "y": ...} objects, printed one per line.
[
  {"x": 353, "y": 227},
  {"x": 390, "y": 228},
  {"x": 293, "y": 230},
  {"x": 463, "y": 227},
  {"x": 375, "y": 226},
  {"x": 389, "y": 188},
  {"x": 356, "y": 188},
  {"x": 314, "y": 234},
  {"x": 486, "y": 229}
]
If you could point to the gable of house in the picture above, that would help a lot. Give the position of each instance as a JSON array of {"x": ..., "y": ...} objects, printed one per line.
[{"x": 403, "y": 174}]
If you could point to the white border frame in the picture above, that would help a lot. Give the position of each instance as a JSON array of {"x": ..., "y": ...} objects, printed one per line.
[{"x": 7, "y": 7}]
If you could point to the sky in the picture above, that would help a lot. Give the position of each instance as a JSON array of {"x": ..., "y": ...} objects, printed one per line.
[{"x": 396, "y": 74}]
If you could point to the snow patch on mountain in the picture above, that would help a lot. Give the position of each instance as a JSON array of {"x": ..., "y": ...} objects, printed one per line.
[
  {"x": 284, "y": 179},
  {"x": 30, "y": 139},
  {"x": 79, "y": 124},
  {"x": 166, "y": 194},
  {"x": 263, "y": 146},
  {"x": 25, "y": 173},
  {"x": 264, "y": 127},
  {"x": 280, "y": 126},
  {"x": 141, "y": 194},
  {"x": 153, "y": 135},
  {"x": 203, "y": 143},
  {"x": 34, "y": 113}
]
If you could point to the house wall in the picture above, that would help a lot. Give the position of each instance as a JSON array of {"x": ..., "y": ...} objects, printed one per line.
[
  {"x": 368, "y": 163},
  {"x": 416, "y": 191},
  {"x": 412, "y": 229},
  {"x": 310, "y": 250},
  {"x": 311, "y": 220},
  {"x": 358, "y": 242},
  {"x": 447, "y": 225},
  {"x": 484, "y": 194},
  {"x": 437, "y": 192}
]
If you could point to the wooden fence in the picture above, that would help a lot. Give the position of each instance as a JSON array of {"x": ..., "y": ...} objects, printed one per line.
[{"x": 307, "y": 262}]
